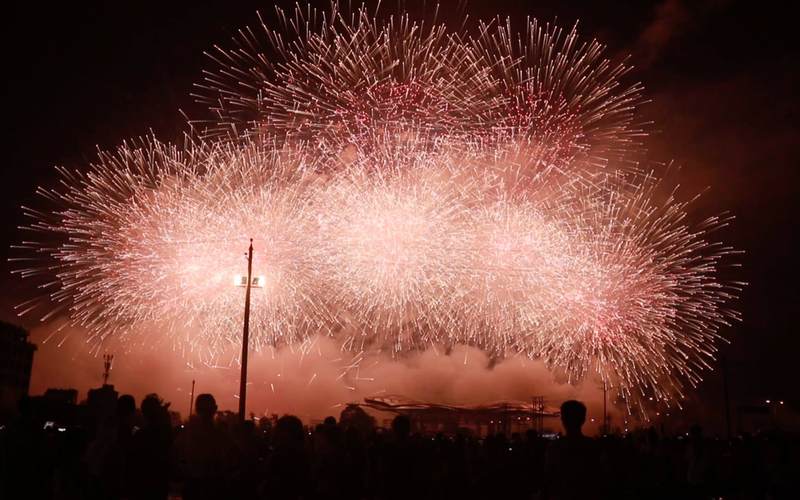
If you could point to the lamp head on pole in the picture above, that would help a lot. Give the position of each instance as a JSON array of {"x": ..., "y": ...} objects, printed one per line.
[{"x": 240, "y": 280}]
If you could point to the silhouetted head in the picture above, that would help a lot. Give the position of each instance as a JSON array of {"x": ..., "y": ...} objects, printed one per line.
[
  {"x": 126, "y": 406},
  {"x": 151, "y": 407},
  {"x": 401, "y": 426},
  {"x": 329, "y": 421},
  {"x": 288, "y": 432},
  {"x": 573, "y": 415},
  {"x": 205, "y": 406},
  {"x": 248, "y": 428}
]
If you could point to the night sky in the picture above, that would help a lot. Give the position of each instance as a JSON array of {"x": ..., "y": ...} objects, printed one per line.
[{"x": 721, "y": 76}]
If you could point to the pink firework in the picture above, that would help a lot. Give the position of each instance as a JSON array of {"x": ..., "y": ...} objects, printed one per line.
[{"x": 405, "y": 187}]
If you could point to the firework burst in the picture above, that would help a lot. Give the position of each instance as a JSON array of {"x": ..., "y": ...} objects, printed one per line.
[
  {"x": 335, "y": 79},
  {"x": 405, "y": 186},
  {"x": 153, "y": 235}
]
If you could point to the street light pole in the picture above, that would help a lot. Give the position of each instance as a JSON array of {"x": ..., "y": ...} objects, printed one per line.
[
  {"x": 245, "y": 335},
  {"x": 605, "y": 412},
  {"x": 726, "y": 397},
  {"x": 191, "y": 400}
]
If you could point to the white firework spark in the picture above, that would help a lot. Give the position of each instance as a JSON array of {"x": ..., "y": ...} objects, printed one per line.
[{"x": 334, "y": 79}]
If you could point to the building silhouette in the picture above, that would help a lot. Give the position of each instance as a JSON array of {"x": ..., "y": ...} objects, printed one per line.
[
  {"x": 16, "y": 361},
  {"x": 481, "y": 420}
]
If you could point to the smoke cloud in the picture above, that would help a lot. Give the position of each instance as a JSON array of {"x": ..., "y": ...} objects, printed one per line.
[{"x": 312, "y": 382}]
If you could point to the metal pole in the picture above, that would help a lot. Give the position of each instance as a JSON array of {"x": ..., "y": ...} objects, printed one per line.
[
  {"x": 191, "y": 400},
  {"x": 108, "y": 359},
  {"x": 533, "y": 412},
  {"x": 245, "y": 335},
  {"x": 726, "y": 396},
  {"x": 605, "y": 412}
]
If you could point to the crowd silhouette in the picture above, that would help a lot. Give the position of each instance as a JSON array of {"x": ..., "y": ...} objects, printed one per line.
[{"x": 132, "y": 454}]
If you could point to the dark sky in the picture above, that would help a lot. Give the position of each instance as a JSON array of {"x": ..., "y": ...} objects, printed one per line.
[{"x": 721, "y": 75}]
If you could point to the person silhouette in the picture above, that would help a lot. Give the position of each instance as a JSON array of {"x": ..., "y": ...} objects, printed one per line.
[
  {"x": 107, "y": 454},
  {"x": 400, "y": 462},
  {"x": 288, "y": 469},
  {"x": 149, "y": 452},
  {"x": 203, "y": 454},
  {"x": 698, "y": 463},
  {"x": 572, "y": 461},
  {"x": 329, "y": 460},
  {"x": 401, "y": 428}
]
